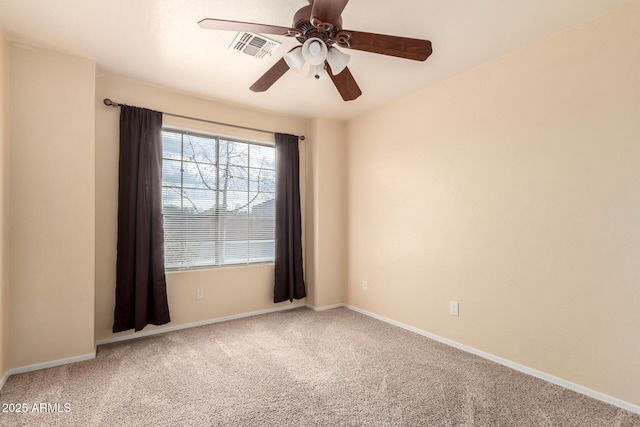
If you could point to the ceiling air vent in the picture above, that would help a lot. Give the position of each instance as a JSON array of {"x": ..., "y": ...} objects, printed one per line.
[{"x": 254, "y": 45}]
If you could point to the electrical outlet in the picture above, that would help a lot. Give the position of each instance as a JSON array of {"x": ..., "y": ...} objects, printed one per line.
[
  {"x": 199, "y": 293},
  {"x": 453, "y": 308},
  {"x": 365, "y": 286}
]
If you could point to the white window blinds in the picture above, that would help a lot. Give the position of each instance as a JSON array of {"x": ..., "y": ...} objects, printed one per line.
[{"x": 218, "y": 198}]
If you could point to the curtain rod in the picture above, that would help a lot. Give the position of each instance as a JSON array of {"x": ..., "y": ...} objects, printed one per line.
[{"x": 110, "y": 103}]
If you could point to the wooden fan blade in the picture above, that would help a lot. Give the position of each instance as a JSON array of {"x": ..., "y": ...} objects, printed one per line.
[
  {"x": 345, "y": 83},
  {"x": 327, "y": 11},
  {"x": 271, "y": 76},
  {"x": 221, "y": 24},
  {"x": 401, "y": 47}
]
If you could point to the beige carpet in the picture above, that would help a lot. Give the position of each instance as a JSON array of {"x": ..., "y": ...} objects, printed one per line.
[{"x": 296, "y": 368}]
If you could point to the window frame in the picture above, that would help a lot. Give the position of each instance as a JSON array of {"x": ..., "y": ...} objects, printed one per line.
[{"x": 218, "y": 259}]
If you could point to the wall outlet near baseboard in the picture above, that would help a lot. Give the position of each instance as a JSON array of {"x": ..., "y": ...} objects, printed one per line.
[
  {"x": 199, "y": 293},
  {"x": 365, "y": 285},
  {"x": 454, "y": 308}
]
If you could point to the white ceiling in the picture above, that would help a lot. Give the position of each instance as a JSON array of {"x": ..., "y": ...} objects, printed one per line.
[{"x": 159, "y": 41}]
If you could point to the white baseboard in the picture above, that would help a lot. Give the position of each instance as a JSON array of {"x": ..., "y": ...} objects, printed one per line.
[
  {"x": 194, "y": 324},
  {"x": 324, "y": 307},
  {"x": 4, "y": 379},
  {"x": 51, "y": 364},
  {"x": 513, "y": 365}
]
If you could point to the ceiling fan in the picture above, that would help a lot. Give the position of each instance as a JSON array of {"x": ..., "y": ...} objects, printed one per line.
[{"x": 318, "y": 27}]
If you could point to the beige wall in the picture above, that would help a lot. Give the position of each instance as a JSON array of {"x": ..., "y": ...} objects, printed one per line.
[
  {"x": 51, "y": 206},
  {"x": 326, "y": 261},
  {"x": 4, "y": 206},
  {"x": 228, "y": 291},
  {"x": 513, "y": 189}
]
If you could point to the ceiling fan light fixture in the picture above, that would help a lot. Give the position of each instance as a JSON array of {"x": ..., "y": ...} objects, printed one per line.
[
  {"x": 318, "y": 72},
  {"x": 294, "y": 59},
  {"x": 314, "y": 51},
  {"x": 337, "y": 60}
]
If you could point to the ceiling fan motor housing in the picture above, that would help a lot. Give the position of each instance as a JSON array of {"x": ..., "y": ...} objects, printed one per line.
[{"x": 324, "y": 31}]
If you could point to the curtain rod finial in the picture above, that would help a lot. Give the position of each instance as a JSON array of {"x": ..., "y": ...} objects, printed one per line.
[{"x": 110, "y": 103}]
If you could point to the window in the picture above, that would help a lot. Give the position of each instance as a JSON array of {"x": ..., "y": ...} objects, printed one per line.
[{"x": 218, "y": 200}]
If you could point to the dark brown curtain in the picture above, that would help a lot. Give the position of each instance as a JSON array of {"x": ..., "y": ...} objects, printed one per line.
[
  {"x": 141, "y": 290},
  {"x": 289, "y": 274}
]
